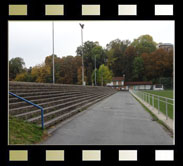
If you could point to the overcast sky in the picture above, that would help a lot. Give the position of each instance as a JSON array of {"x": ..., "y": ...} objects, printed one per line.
[{"x": 32, "y": 40}]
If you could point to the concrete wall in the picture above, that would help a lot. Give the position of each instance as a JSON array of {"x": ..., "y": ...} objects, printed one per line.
[
  {"x": 158, "y": 88},
  {"x": 142, "y": 87}
]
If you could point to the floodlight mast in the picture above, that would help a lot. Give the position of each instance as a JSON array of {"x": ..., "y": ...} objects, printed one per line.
[
  {"x": 53, "y": 52},
  {"x": 82, "y": 26}
]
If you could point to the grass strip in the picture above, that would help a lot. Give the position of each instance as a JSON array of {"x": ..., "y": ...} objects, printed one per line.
[{"x": 22, "y": 132}]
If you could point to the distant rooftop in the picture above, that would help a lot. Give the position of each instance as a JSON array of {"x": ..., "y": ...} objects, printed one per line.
[
  {"x": 139, "y": 83},
  {"x": 117, "y": 78},
  {"x": 167, "y": 44}
]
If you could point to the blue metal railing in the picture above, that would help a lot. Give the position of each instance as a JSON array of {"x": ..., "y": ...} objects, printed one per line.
[{"x": 42, "y": 111}]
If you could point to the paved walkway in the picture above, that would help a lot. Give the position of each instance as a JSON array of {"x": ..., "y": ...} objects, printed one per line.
[
  {"x": 168, "y": 122},
  {"x": 117, "y": 120}
]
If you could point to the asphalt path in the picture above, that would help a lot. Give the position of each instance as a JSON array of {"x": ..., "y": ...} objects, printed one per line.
[{"x": 117, "y": 120}]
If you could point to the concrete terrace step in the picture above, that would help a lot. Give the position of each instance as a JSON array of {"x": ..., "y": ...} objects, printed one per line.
[
  {"x": 20, "y": 85},
  {"x": 60, "y": 101},
  {"x": 31, "y": 114},
  {"x": 45, "y": 92},
  {"x": 42, "y": 100},
  {"x": 35, "y": 93},
  {"x": 67, "y": 115},
  {"x": 53, "y": 114},
  {"x": 62, "y": 88},
  {"x": 23, "y": 109},
  {"x": 61, "y": 94}
]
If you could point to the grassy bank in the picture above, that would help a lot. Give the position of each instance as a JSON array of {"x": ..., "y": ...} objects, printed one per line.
[
  {"x": 163, "y": 93},
  {"x": 21, "y": 132}
]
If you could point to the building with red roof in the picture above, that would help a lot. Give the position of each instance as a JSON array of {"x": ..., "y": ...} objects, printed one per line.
[{"x": 120, "y": 84}]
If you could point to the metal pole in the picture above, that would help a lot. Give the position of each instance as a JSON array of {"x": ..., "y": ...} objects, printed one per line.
[
  {"x": 53, "y": 53},
  {"x": 166, "y": 109},
  {"x": 145, "y": 98},
  {"x": 95, "y": 71},
  {"x": 153, "y": 101},
  {"x": 158, "y": 105},
  {"x": 27, "y": 101},
  {"x": 102, "y": 77},
  {"x": 82, "y": 56}
]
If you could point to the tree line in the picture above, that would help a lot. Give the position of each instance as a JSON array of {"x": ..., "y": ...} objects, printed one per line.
[{"x": 139, "y": 60}]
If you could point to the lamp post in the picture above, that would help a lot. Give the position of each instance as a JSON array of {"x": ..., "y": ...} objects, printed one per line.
[
  {"x": 82, "y": 26},
  {"x": 53, "y": 52},
  {"x": 95, "y": 71}
]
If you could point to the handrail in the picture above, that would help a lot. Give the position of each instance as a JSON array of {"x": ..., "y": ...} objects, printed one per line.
[
  {"x": 158, "y": 96},
  {"x": 146, "y": 98},
  {"x": 42, "y": 110}
]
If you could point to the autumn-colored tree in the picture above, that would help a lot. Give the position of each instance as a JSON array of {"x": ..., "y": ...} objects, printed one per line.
[
  {"x": 139, "y": 61},
  {"x": 158, "y": 64},
  {"x": 57, "y": 67},
  {"x": 41, "y": 73},
  {"x": 79, "y": 76},
  {"x": 24, "y": 77}
]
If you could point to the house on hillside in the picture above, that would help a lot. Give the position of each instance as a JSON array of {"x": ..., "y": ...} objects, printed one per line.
[
  {"x": 142, "y": 85},
  {"x": 117, "y": 82},
  {"x": 166, "y": 46},
  {"x": 120, "y": 84}
]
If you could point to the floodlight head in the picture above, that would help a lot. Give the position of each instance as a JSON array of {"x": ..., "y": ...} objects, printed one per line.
[{"x": 82, "y": 25}]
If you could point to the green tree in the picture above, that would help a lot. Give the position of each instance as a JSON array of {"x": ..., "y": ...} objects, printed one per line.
[
  {"x": 144, "y": 44},
  {"x": 138, "y": 69},
  {"x": 104, "y": 75},
  {"x": 97, "y": 77},
  {"x": 16, "y": 66},
  {"x": 25, "y": 77},
  {"x": 116, "y": 56},
  {"x": 90, "y": 50},
  {"x": 129, "y": 56}
]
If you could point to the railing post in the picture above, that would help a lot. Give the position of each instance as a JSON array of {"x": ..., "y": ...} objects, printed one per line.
[
  {"x": 153, "y": 101},
  {"x": 166, "y": 108},
  {"x": 142, "y": 96},
  {"x": 42, "y": 118},
  {"x": 27, "y": 101}
]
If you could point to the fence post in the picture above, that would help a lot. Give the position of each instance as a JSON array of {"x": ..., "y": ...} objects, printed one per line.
[{"x": 166, "y": 109}]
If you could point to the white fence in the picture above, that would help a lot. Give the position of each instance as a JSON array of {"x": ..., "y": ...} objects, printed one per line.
[{"x": 163, "y": 104}]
